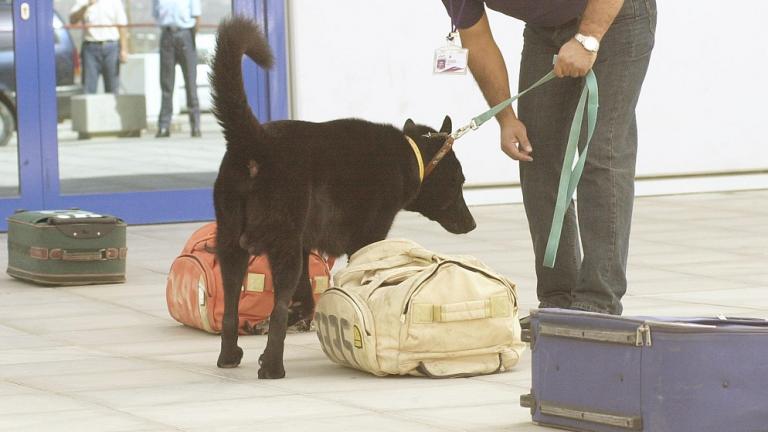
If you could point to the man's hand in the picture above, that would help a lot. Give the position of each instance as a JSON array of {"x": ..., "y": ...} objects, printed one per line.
[
  {"x": 514, "y": 140},
  {"x": 123, "y": 56},
  {"x": 573, "y": 60}
]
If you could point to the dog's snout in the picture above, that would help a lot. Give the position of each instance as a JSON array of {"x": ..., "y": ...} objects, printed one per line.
[
  {"x": 472, "y": 225},
  {"x": 462, "y": 228}
]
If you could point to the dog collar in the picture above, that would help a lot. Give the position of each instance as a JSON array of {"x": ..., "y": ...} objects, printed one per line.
[{"x": 417, "y": 152}]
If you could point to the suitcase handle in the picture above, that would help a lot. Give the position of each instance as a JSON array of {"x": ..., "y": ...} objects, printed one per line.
[
  {"x": 87, "y": 255},
  {"x": 96, "y": 255},
  {"x": 575, "y": 413},
  {"x": 84, "y": 220}
]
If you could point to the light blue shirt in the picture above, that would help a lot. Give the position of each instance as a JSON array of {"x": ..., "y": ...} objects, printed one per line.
[{"x": 176, "y": 13}]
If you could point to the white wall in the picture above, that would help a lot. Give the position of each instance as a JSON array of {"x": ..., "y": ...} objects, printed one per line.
[{"x": 702, "y": 109}]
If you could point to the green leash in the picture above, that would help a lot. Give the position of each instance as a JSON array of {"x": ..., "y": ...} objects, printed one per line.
[{"x": 570, "y": 174}]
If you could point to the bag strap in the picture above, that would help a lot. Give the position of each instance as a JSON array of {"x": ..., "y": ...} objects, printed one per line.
[
  {"x": 570, "y": 173},
  {"x": 493, "y": 307}
]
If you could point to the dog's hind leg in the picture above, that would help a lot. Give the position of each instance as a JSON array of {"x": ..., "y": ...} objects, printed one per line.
[
  {"x": 285, "y": 260},
  {"x": 234, "y": 263},
  {"x": 302, "y": 302}
]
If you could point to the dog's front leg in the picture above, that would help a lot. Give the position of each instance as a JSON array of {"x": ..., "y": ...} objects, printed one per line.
[
  {"x": 286, "y": 263},
  {"x": 234, "y": 263}
]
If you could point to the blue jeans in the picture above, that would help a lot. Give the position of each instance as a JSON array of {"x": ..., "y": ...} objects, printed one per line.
[
  {"x": 101, "y": 58},
  {"x": 597, "y": 281},
  {"x": 177, "y": 46}
]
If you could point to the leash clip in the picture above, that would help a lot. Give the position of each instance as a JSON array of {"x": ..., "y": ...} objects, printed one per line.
[{"x": 464, "y": 129}]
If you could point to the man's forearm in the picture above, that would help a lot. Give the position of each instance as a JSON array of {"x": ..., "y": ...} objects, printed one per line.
[
  {"x": 487, "y": 65},
  {"x": 124, "y": 39},
  {"x": 598, "y": 17},
  {"x": 78, "y": 16}
]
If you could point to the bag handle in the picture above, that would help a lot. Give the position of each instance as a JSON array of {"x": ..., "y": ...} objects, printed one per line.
[
  {"x": 406, "y": 259},
  {"x": 493, "y": 307},
  {"x": 84, "y": 220},
  {"x": 391, "y": 276},
  {"x": 57, "y": 254}
]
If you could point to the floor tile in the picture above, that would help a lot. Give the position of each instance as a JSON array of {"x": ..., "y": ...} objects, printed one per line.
[
  {"x": 249, "y": 411},
  {"x": 110, "y": 358}
]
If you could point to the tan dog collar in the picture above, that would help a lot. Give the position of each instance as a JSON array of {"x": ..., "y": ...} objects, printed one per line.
[{"x": 419, "y": 159}]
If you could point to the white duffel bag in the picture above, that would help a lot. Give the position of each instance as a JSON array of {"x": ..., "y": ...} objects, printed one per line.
[{"x": 400, "y": 309}]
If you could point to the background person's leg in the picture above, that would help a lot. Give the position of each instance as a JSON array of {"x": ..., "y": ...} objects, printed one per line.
[
  {"x": 110, "y": 63},
  {"x": 187, "y": 55},
  {"x": 90, "y": 67},
  {"x": 167, "y": 79}
]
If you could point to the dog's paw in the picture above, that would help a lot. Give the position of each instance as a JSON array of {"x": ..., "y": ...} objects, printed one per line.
[
  {"x": 229, "y": 360},
  {"x": 267, "y": 371}
]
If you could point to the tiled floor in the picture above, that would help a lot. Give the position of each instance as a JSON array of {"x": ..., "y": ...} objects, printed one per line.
[{"x": 109, "y": 358}]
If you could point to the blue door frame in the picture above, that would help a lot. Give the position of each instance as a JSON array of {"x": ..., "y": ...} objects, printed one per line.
[{"x": 37, "y": 123}]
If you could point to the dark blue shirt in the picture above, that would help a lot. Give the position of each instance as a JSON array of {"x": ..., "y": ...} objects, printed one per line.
[{"x": 546, "y": 13}]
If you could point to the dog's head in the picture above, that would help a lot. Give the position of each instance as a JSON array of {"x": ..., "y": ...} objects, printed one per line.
[{"x": 441, "y": 197}]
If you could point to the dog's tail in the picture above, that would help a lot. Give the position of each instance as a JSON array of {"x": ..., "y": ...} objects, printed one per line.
[{"x": 237, "y": 36}]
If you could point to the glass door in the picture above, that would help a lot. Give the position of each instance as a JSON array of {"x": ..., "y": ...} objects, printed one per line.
[{"x": 105, "y": 148}]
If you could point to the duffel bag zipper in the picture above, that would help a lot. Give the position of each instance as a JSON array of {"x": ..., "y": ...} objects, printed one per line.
[
  {"x": 203, "y": 296},
  {"x": 357, "y": 306}
]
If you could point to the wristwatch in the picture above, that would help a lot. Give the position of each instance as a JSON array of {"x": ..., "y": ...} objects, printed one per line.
[{"x": 589, "y": 43}]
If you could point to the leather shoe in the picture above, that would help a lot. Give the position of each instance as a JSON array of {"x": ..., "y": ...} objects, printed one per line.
[
  {"x": 163, "y": 133},
  {"x": 196, "y": 133}
]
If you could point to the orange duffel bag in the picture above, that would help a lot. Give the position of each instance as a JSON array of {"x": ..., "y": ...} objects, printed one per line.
[{"x": 195, "y": 294}]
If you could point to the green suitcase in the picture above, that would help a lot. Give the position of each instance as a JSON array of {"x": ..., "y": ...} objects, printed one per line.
[{"x": 66, "y": 247}]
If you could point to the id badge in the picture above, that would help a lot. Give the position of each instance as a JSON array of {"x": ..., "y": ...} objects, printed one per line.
[{"x": 452, "y": 58}]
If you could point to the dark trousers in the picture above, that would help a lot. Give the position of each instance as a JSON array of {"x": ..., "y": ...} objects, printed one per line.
[
  {"x": 600, "y": 223},
  {"x": 177, "y": 46},
  {"x": 101, "y": 58}
]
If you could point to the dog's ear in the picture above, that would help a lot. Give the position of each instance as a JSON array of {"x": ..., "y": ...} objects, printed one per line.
[
  {"x": 409, "y": 128},
  {"x": 447, "y": 126}
]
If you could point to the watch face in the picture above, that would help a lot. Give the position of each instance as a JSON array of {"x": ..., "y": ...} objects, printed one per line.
[{"x": 588, "y": 42}]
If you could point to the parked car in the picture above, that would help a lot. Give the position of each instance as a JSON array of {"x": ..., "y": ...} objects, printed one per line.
[{"x": 67, "y": 62}]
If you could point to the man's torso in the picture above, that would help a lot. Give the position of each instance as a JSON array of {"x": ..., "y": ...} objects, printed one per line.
[
  {"x": 103, "y": 12},
  {"x": 176, "y": 13},
  {"x": 547, "y": 13}
]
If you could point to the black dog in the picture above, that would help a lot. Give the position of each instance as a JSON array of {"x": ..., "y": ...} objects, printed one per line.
[{"x": 287, "y": 187}]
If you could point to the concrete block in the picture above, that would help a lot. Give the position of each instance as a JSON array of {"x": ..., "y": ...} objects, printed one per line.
[{"x": 107, "y": 114}]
